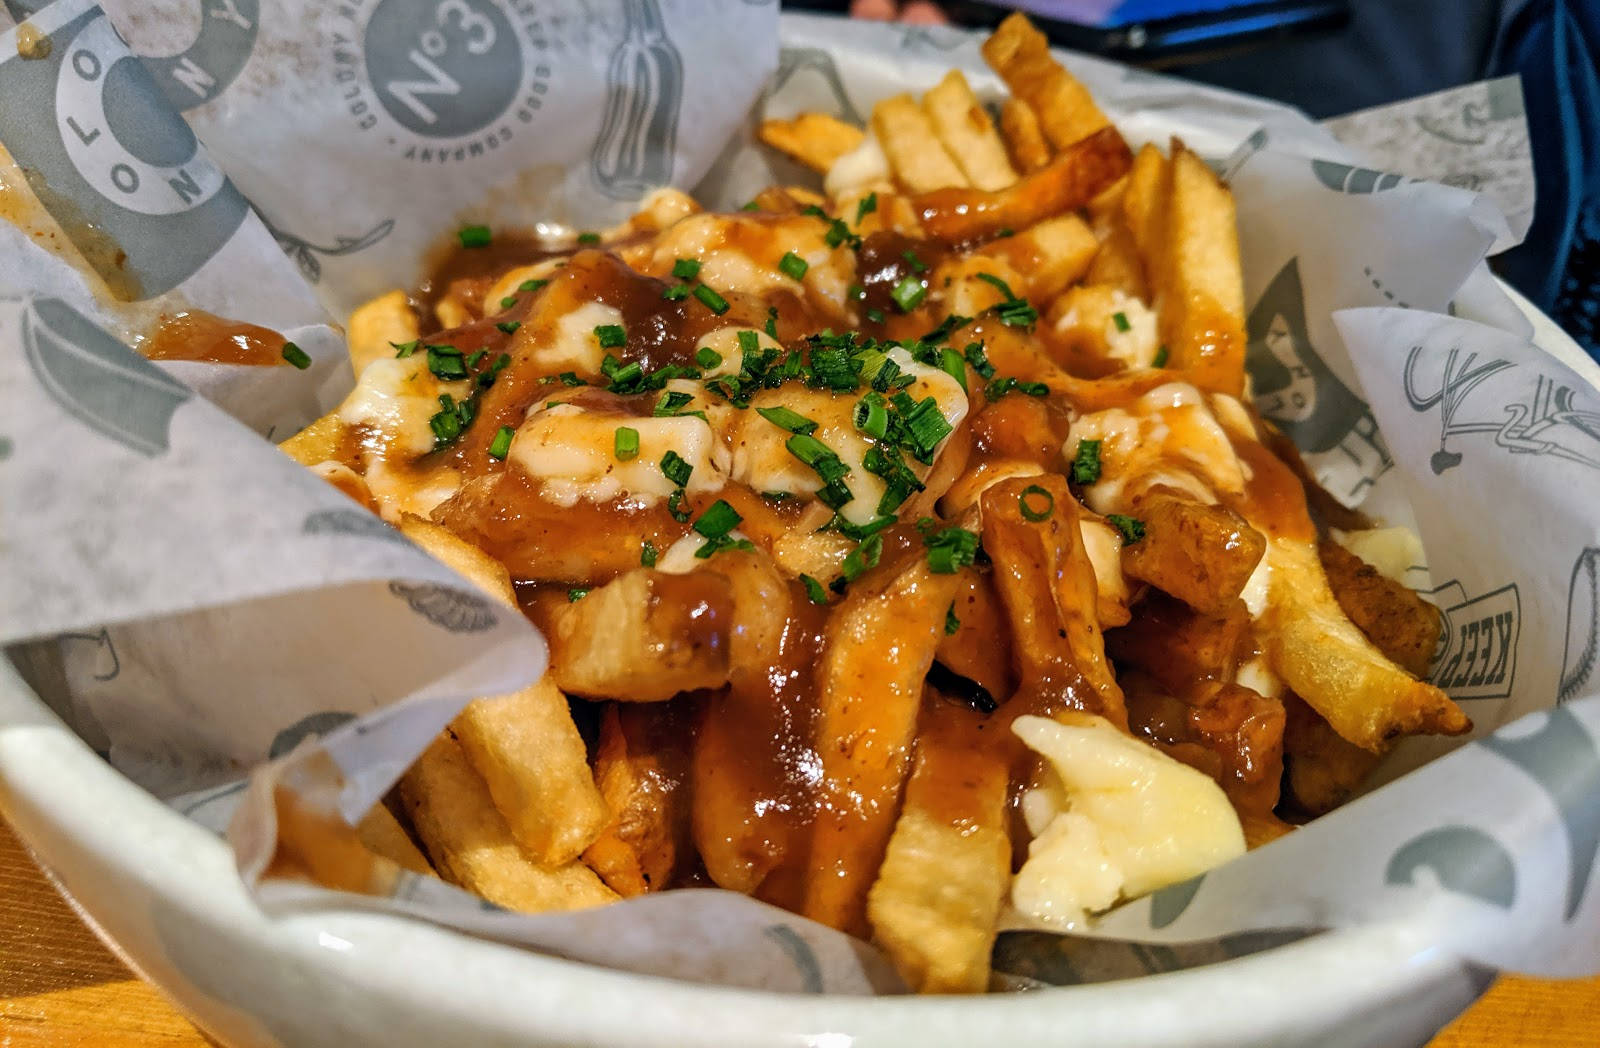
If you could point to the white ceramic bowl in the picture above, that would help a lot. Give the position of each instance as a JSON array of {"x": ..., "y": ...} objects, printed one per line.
[{"x": 163, "y": 893}]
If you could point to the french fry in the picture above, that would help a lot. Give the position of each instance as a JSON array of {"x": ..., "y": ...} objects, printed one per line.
[
  {"x": 1322, "y": 771},
  {"x": 471, "y": 845},
  {"x": 383, "y": 835},
  {"x": 980, "y": 648},
  {"x": 1199, "y": 283},
  {"x": 1321, "y": 654},
  {"x": 1021, "y": 55},
  {"x": 963, "y": 125},
  {"x": 879, "y": 644},
  {"x": 1398, "y": 622},
  {"x": 318, "y": 442},
  {"x": 1048, "y": 587},
  {"x": 947, "y": 869},
  {"x": 1024, "y": 137},
  {"x": 1050, "y": 255},
  {"x": 377, "y": 323},
  {"x": 958, "y": 215},
  {"x": 1203, "y": 555},
  {"x": 1116, "y": 264},
  {"x": 642, "y": 768},
  {"x": 645, "y": 637},
  {"x": 1144, "y": 201},
  {"x": 916, "y": 156},
  {"x": 524, "y": 745},
  {"x": 1179, "y": 648},
  {"x": 814, "y": 139}
]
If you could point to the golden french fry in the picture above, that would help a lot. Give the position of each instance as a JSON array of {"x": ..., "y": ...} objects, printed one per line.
[
  {"x": 916, "y": 156},
  {"x": 947, "y": 869},
  {"x": 1199, "y": 284},
  {"x": 980, "y": 648},
  {"x": 1071, "y": 180},
  {"x": 1050, "y": 255},
  {"x": 1201, "y": 554},
  {"x": 963, "y": 125},
  {"x": 642, "y": 767},
  {"x": 524, "y": 745},
  {"x": 1116, "y": 264},
  {"x": 814, "y": 139},
  {"x": 471, "y": 845},
  {"x": 1021, "y": 55},
  {"x": 318, "y": 442},
  {"x": 645, "y": 637},
  {"x": 1321, "y": 654},
  {"x": 1048, "y": 587},
  {"x": 1398, "y": 622},
  {"x": 377, "y": 323},
  {"x": 1144, "y": 200},
  {"x": 1024, "y": 137},
  {"x": 452, "y": 312},
  {"x": 383, "y": 835},
  {"x": 879, "y": 644},
  {"x": 1322, "y": 770}
]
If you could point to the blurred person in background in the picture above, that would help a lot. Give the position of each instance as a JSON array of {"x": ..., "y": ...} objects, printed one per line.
[{"x": 1387, "y": 50}]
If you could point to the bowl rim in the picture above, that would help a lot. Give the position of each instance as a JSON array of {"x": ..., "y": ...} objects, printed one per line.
[{"x": 84, "y": 821}]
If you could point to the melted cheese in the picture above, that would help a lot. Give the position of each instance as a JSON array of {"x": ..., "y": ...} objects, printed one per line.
[
  {"x": 725, "y": 343},
  {"x": 395, "y": 397},
  {"x": 572, "y": 345},
  {"x": 1391, "y": 550},
  {"x": 865, "y": 165},
  {"x": 1117, "y": 818},
  {"x": 573, "y": 451},
  {"x": 506, "y": 287}
]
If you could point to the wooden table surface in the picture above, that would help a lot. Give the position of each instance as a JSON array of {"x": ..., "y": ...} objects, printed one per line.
[{"x": 59, "y": 987}]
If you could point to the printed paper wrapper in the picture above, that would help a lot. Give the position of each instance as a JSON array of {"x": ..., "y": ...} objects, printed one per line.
[{"x": 194, "y": 603}]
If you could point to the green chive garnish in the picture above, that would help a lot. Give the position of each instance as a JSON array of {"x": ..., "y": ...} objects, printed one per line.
[
  {"x": 626, "y": 443},
  {"x": 588, "y": 238},
  {"x": 686, "y": 268},
  {"x": 1132, "y": 528},
  {"x": 711, "y": 300},
  {"x": 1160, "y": 360},
  {"x": 648, "y": 554},
  {"x": 719, "y": 519},
  {"x": 793, "y": 266},
  {"x": 500, "y": 446},
  {"x": 1086, "y": 462},
  {"x": 676, "y": 293},
  {"x": 1121, "y": 320},
  {"x": 1036, "y": 510},
  {"x": 908, "y": 294},
  {"x": 611, "y": 336},
  {"x": 474, "y": 236},
  {"x": 676, "y": 469},
  {"x": 296, "y": 356},
  {"x": 814, "y": 591},
  {"x": 783, "y": 418},
  {"x": 509, "y": 326},
  {"x": 707, "y": 357}
]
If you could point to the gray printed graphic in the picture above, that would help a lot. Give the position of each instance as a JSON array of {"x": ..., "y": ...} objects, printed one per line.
[
  {"x": 1582, "y": 649},
  {"x": 108, "y": 665},
  {"x": 1343, "y": 178},
  {"x": 443, "y": 70},
  {"x": 99, "y": 381},
  {"x": 1168, "y": 904},
  {"x": 113, "y": 162},
  {"x": 1249, "y": 148},
  {"x": 644, "y": 90},
  {"x": 1551, "y": 418},
  {"x": 5, "y": 448},
  {"x": 794, "y": 60},
  {"x": 800, "y": 952},
  {"x": 356, "y": 523},
  {"x": 1477, "y": 655},
  {"x": 1464, "y": 859},
  {"x": 305, "y": 253},
  {"x": 1468, "y": 124},
  {"x": 1563, "y": 759},
  {"x": 1067, "y": 960},
  {"x": 1296, "y": 389},
  {"x": 449, "y": 609},
  {"x": 206, "y": 67},
  {"x": 311, "y": 726}
]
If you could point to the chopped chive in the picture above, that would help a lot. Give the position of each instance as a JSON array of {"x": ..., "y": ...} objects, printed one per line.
[
  {"x": 508, "y": 301},
  {"x": 532, "y": 285},
  {"x": 474, "y": 236},
  {"x": 625, "y": 443},
  {"x": 611, "y": 336},
  {"x": 1121, "y": 320},
  {"x": 908, "y": 294},
  {"x": 296, "y": 356},
  {"x": 588, "y": 238},
  {"x": 676, "y": 293},
  {"x": 500, "y": 446},
  {"x": 814, "y": 591},
  {"x": 783, "y": 418},
  {"x": 686, "y": 268},
  {"x": 954, "y": 365},
  {"x": 871, "y": 416},
  {"x": 576, "y": 594},
  {"x": 749, "y": 344},
  {"x": 776, "y": 496},
  {"x": 916, "y": 264},
  {"x": 707, "y": 357},
  {"x": 718, "y": 519},
  {"x": 711, "y": 300},
  {"x": 875, "y": 315},
  {"x": 405, "y": 349},
  {"x": 868, "y": 205},
  {"x": 979, "y": 360},
  {"x": 509, "y": 326},
  {"x": 750, "y": 205},
  {"x": 675, "y": 506},
  {"x": 1033, "y": 511},
  {"x": 1034, "y": 389},
  {"x": 772, "y": 322},
  {"x": 648, "y": 554},
  {"x": 446, "y": 363},
  {"x": 570, "y": 378},
  {"x": 1160, "y": 360},
  {"x": 671, "y": 404},
  {"x": 925, "y": 427},
  {"x": 793, "y": 266},
  {"x": 863, "y": 558},
  {"x": 1132, "y": 528},
  {"x": 952, "y": 625},
  {"x": 949, "y": 549},
  {"x": 675, "y": 469},
  {"x": 999, "y": 285},
  {"x": 476, "y": 358},
  {"x": 1086, "y": 462}
]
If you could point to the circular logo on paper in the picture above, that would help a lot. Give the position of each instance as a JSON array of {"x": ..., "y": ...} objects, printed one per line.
[{"x": 445, "y": 70}]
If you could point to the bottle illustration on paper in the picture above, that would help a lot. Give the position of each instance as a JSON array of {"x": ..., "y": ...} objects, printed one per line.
[
  {"x": 634, "y": 151},
  {"x": 1296, "y": 390}
]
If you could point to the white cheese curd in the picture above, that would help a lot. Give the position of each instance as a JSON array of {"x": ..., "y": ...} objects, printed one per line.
[
  {"x": 573, "y": 345},
  {"x": 1258, "y": 587},
  {"x": 1393, "y": 551},
  {"x": 1256, "y": 675},
  {"x": 1102, "y": 542},
  {"x": 725, "y": 343},
  {"x": 1135, "y": 820},
  {"x": 679, "y": 558},
  {"x": 863, "y": 166},
  {"x": 395, "y": 397},
  {"x": 1137, "y": 346},
  {"x": 762, "y": 460},
  {"x": 398, "y": 492},
  {"x": 573, "y": 451}
]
